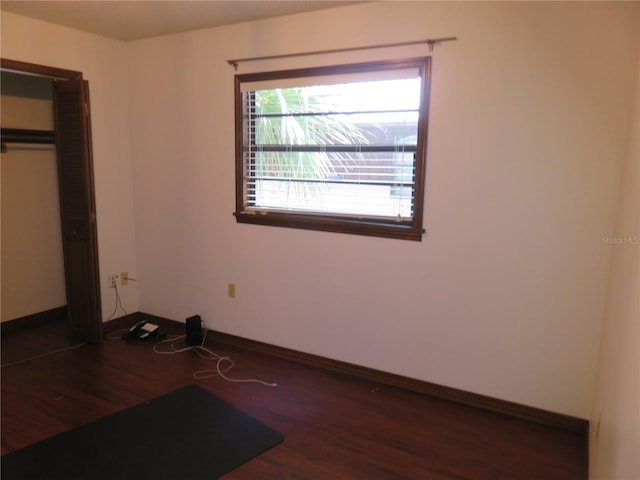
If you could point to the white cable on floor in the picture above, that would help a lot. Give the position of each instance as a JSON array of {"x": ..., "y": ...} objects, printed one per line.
[
  {"x": 43, "y": 355},
  {"x": 207, "y": 354}
]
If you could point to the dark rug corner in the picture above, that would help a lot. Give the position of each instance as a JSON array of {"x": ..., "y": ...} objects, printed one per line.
[{"x": 185, "y": 434}]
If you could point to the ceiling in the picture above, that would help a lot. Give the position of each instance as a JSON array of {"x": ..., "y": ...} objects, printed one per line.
[{"x": 137, "y": 19}]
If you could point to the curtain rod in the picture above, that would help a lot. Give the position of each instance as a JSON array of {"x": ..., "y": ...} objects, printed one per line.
[{"x": 430, "y": 41}]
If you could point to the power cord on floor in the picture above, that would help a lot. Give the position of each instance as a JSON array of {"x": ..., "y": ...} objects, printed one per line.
[
  {"x": 207, "y": 354},
  {"x": 18, "y": 362},
  {"x": 117, "y": 334}
]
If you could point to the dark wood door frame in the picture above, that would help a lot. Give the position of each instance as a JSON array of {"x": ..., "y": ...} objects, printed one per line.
[{"x": 81, "y": 268}]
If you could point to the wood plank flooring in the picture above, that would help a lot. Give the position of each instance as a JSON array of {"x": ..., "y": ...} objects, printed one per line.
[{"x": 336, "y": 426}]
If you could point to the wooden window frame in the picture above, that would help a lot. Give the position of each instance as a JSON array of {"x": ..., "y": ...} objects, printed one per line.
[{"x": 412, "y": 230}]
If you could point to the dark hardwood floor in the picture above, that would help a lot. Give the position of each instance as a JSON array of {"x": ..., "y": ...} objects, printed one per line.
[
  {"x": 33, "y": 340},
  {"x": 336, "y": 426}
]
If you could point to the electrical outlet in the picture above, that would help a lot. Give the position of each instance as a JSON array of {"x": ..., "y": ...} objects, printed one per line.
[
  {"x": 113, "y": 280},
  {"x": 124, "y": 278},
  {"x": 231, "y": 290}
]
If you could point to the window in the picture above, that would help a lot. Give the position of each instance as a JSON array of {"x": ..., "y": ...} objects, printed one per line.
[{"x": 338, "y": 148}]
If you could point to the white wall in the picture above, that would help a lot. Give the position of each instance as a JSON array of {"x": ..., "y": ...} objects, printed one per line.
[
  {"x": 103, "y": 64},
  {"x": 505, "y": 295},
  {"x": 615, "y": 417}
]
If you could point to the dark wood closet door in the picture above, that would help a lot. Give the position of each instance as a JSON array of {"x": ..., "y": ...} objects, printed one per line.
[{"x": 77, "y": 208}]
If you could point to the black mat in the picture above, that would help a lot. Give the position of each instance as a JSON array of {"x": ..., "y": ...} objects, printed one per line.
[{"x": 186, "y": 434}]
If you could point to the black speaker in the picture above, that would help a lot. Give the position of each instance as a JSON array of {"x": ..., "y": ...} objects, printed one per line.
[{"x": 194, "y": 331}]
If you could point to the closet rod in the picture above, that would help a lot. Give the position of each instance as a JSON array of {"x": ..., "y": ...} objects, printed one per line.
[
  {"x": 430, "y": 41},
  {"x": 22, "y": 135}
]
